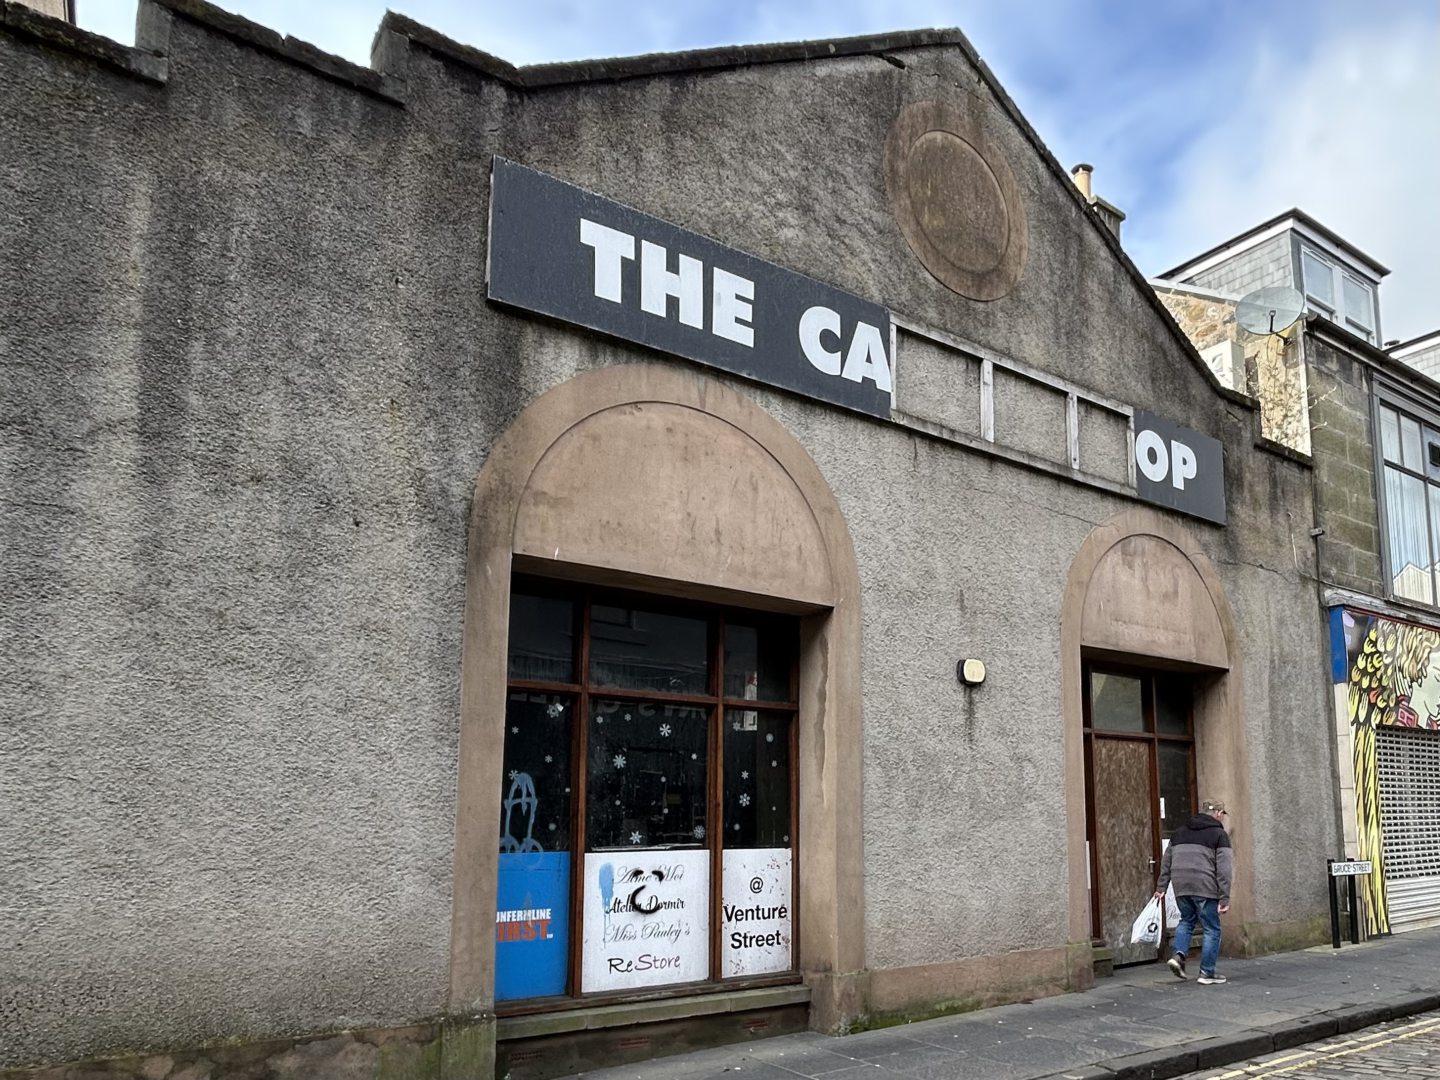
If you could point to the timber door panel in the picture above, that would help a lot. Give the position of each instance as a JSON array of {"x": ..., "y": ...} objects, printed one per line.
[{"x": 1124, "y": 840}]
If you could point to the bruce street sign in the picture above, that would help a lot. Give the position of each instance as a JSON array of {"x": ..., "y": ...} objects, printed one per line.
[
  {"x": 1347, "y": 869},
  {"x": 565, "y": 252}
]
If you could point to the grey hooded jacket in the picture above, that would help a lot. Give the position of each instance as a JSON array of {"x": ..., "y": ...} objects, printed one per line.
[{"x": 1199, "y": 860}]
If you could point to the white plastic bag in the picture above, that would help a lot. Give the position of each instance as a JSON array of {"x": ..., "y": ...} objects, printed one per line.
[
  {"x": 1172, "y": 908},
  {"x": 1146, "y": 930}
]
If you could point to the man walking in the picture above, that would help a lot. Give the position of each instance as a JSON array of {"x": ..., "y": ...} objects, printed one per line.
[{"x": 1199, "y": 863}]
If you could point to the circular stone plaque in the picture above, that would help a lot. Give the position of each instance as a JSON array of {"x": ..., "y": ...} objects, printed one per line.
[{"x": 955, "y": 200}]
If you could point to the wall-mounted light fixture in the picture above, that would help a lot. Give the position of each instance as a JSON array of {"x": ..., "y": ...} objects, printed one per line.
[{"x": 970, "y": 672}]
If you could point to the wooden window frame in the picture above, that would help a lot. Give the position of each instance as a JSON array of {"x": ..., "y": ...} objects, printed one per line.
[
  {"x": 1386, "y": 395},
  {"x": 584, "y": 597},
  {"x": 1148, "y": 678}
]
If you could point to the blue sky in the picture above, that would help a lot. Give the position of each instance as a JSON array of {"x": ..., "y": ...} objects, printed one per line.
[{"x": 1201, "y": 117}]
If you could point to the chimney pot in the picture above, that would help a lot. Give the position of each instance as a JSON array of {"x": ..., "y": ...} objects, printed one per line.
[{"x": 1082, "y": 174}]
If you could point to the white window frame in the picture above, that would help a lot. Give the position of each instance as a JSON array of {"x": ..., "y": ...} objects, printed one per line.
[
  {"x": 1361, "y": 324},
  {"x": 1387, "y": 397}
]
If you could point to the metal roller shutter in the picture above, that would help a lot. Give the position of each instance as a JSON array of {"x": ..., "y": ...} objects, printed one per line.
[{"x": 1409, "y": 772}]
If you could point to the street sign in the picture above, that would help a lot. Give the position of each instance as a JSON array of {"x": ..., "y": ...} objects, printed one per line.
[{"x": 1348, "y": 869}]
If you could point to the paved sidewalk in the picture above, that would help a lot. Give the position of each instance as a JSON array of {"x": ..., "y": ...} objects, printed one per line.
[{"x": 1143, "y": 1023}]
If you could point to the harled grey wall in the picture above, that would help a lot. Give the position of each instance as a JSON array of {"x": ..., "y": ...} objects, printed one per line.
[{"x": 254, "y": 377}]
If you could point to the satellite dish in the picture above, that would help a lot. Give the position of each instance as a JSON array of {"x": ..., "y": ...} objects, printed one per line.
[{"x": 1271, "y": 310}]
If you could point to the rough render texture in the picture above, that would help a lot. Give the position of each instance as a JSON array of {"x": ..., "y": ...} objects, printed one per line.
[{"x": 259, "y": 377}]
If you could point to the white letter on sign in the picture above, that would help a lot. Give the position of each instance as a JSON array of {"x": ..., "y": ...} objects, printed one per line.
[
  {"x": 816, "y": 321},
  {"x": 657, "y": 284},
  {"x": 1184, "y": 459},
  {"x": 611, "y": 248},
  {"x": 1150, "y": 455},
  {"x": 866, "y": 358},
  {"x": 730, "y": 307}
]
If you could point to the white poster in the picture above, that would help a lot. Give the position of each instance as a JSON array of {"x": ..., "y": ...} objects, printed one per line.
[
  {"x": 756, "y": 912},
  {"x": 647, "y": 919}
]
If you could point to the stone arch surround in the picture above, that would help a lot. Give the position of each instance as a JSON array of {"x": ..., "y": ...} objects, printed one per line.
[
  {"x": 699, "y": 493},
  {"x": 1141, "y": 589}
]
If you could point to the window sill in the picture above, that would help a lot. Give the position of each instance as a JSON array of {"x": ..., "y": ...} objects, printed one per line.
[
  {"x": 594, "y": 1017},
  {"x": 1394, "y": 607}
]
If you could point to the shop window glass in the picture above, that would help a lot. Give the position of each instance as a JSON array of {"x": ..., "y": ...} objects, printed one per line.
[
  {"x": 532, "y": 899},
  {"x": 633, "y": 649},
  {"x": 756, "y": 901},
  {"x": 645, "y": 776},
  {"x": 1407, "y": 534},
  {"x": 1174, "y": 766},
  {"x": 1390, "y": 434},
  {"x": 757, "y": 779},
  {"x": 1116, "y": 703},
  {"x": 1172, "y": 706},
  {"x": 535, "y": 785},
  {"x": 1410, "y": 444},
  {"x": 542, "y": 638},
  {"x": 759, "y": 658},
  {"x": 633, "y": 731}
]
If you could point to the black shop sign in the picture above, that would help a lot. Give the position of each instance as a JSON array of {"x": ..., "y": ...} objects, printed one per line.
[
  {"x": 564, "y": 252},
  {"x": 1179, "y": 468}
]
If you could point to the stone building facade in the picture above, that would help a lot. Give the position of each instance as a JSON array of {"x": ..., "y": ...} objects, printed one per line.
[
  {"x": 464, "y": 523},
  {"x": 1371, "y": 417}
]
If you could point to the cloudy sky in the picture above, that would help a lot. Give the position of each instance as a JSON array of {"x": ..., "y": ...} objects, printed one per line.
[{"x": 1201, "y": 117}]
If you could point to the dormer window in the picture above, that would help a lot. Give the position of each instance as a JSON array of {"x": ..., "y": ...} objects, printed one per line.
[{"x": 1341, "y": 296}]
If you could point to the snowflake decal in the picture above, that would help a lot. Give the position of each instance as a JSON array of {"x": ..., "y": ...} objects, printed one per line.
[
  {"x": 554, "y": 709},
  {"x": 549, "y": 758},
  {"x": 786, "y": 838},
  {"x": 665, "y": 730},
  {"x": 514, "y": 730},
  {"x": 552, "y": 826},
  {"x": 745, "y": 775},
  {"x": 744, "y": 799},
  {"x": 694, "y": 756},
  {"x": 619, "y": 761},
  {"x": 769, "y": 736},
  {"x": 774, "y": 764},
  {"x": 627, "y": 716},
  {"x": 599, "y": 719},
  {"x": 662, "y": 780},
  {"x": 698, "y": 832},
  {"x": 736, "y": 725},
  {"x": 513, "y": 774},
  {"x": 664, "y": 810},
  {"x": 737, "y": 826},
  {"x": 635, "y": 838}
]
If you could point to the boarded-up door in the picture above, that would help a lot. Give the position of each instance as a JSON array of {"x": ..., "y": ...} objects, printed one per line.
[{"x": 1125, "y": 842}]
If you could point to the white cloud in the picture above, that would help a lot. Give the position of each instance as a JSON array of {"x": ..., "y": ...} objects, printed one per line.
[{"x": 1349, "y": 131}]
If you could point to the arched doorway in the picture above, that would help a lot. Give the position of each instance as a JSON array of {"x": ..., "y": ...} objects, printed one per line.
[
  {"x": 663, "y": 482},
  {"x": 1150, "y": 675}
]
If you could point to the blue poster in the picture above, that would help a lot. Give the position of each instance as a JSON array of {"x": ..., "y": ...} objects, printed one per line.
[{"x": 532, "y": 925}]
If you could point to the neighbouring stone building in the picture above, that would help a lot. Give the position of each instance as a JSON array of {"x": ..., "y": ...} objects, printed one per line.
[
  {"x": 1370, "y": 414},
  {"x": 508, "y": 569}
]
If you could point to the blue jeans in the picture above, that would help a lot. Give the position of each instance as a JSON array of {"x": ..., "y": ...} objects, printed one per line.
[{"x": 1207, "y": 912}]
